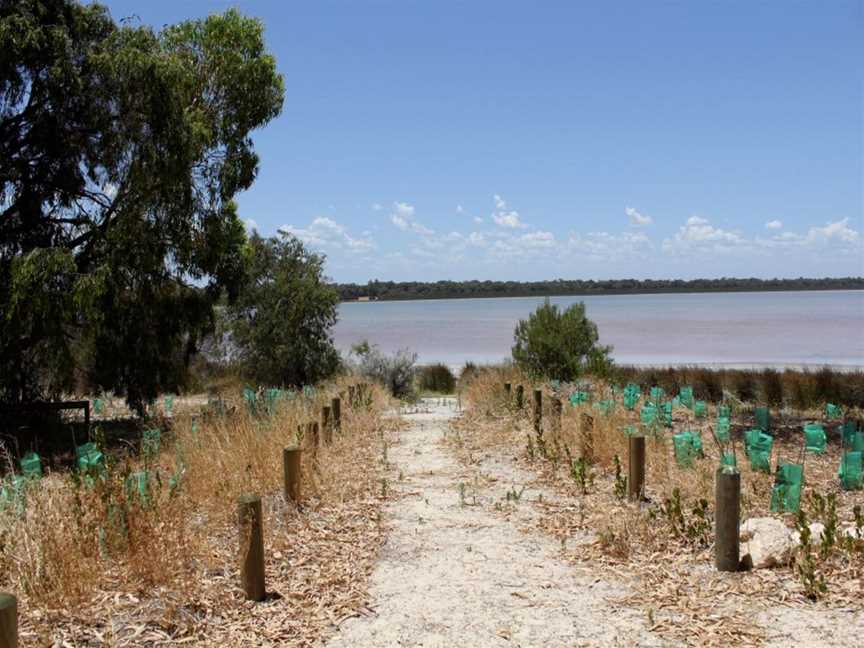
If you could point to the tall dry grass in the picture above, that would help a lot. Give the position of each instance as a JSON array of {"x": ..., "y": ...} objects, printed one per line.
[{"x": 71, "y": 541}]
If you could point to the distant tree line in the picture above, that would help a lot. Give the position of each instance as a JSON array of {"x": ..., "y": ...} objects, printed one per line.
[{"x": 391, "y": 290}]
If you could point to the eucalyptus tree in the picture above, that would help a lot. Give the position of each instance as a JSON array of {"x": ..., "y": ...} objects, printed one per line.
[{"x": 121, "y": 151}]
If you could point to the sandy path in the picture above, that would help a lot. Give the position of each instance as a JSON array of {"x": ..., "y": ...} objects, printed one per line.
[{"x": 458, "y": 574}]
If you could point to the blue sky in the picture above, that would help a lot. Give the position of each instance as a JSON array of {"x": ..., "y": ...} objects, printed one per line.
[{"x": 521, "y": 140}]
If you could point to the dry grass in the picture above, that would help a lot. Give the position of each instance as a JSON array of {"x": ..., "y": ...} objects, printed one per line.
[
  {"x": 93, "y": 566},
  {"x": 670, "y": 565}
]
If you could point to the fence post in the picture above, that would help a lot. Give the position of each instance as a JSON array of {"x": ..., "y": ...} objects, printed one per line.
[
  {"x": 351, "y": 395},
  {"x": 336, "y": 413},
  {"x": 727, "y": 520},
  {"x": 251, "y": 546},
  {"x": 326, "y": 428},
  {"x": 8, "y": 621},
  {"x": 312, "y": 433},
  {"x": 291, "y": 468},
  {"x": 520, "y": 392},
  {"x": 636, "y": 468},
  {"x": 538, "y": 410},
  {"x": 556, "y": 414},
  {"x": 507, "y": 388},
  {"x": 587, "y": 436}
]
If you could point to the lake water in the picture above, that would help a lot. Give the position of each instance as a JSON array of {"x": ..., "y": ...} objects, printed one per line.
[{"x": 737, "y": 329}]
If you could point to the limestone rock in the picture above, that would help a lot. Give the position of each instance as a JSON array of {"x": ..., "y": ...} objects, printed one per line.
[{"x": 766, "y": 542}]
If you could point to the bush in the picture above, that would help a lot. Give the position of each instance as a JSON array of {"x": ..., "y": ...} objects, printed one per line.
[
  {"x": 437, "y": 378},
  {"x": 395, "y": 372},
  {"x": 561, "y": 345},
  {"x": 772, "y": 387}
]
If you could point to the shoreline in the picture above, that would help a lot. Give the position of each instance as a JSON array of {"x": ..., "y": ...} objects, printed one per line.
[{"x": 602, "y": 293}]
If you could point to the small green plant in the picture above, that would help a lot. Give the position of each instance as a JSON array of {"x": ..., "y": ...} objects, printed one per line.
[
  {"x": 582, "y": 474},
  {"x": 695, "y": 528},
  {"x": 620, "y": 488},
  {"x": 813, "y": 582},
  {"x": 513, "y": 495}
]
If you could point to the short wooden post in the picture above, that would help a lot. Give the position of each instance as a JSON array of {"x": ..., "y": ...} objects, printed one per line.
[
  {"x": 507, "y": 389},
  {"x": 8, "y": 621},
  {"x": 336, "y": 413},
  {"x": 251, "y": 547},
  {"x": 557, "y": 411},
  {"x": 587, "y": 436},
  {"x": 636, "y": 468},
  {"x": 351, "y": 395},
  {"x": 312, "y": 433},
  {"x": 727, "y": 519},
  {"x": 538, "y": 410},
  {"x": 520, "y": 393},
  {"x": 326, "y": 428},
  {"x": 87, "y": 418},
  {"x": 291, "y": 469}
]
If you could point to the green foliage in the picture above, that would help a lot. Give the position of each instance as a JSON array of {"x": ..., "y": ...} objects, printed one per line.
[
  {"x": 437, "y": 378},
  {"x": 559, "y": 345},
  {"x": 122, "y": 151},
  {"x": 396, "y": 372},
  {"x": 694, "y": 528},
  {"x": 810, "y": 577},
  {"x": 281, "y": 320}
]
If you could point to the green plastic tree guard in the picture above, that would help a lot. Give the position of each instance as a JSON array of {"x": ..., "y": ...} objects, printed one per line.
[
  {"x": 605, "y": 406},
  {"x": 724, "y": 410},
  {"x": 31, "y": 466},
  {"x": 98, "y": 406},
  {"x": 151, "y": 442},
  {"x": 138, "y": 483},
  {"x": 723, "y": 428},
  {"x": 814, "y": 438},
  {"x": 833, "y": 411},
  {"x": 168, "y": 404},
  {"x": 656, "y": 394},
  {"x": 578, "y": 397},
  {"x": 685, "y": 395},
  {"x": 700, "y": 409},
  {"x": 851, "y": 471},
  {"x": 667, "y": 414},
  {"x": 687, "y": 446},
  {"x": 728, "y": 462},
  {"x": 763, "y": 419},
  {"x": 786, "y": 494},
  {"x": 758, "y": 447}
]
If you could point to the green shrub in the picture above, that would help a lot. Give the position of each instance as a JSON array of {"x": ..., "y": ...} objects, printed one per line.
[
  {"x": 772, "y": 387},
  {"x": 559, "y": 344},
  {"x": 437, "y": 378}
]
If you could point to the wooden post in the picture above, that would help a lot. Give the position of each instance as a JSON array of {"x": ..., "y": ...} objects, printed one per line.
[
  {"x": 636, "y": 469},
  {"x": 336, "y": 413},
  {"x": 86, "y": 422},
  {"x": 538, "y": 410},
  {"x": 587, "y": 436},
  {"x": 251, "y": 547},
  {"x": 520, "y": 392},
  {"x": 312, "y": 433},
  {"x": 727, "y": 519},
  {"x": 291, "y": 469},
  {"x": 556, "y": 414},
  {"x": 507, "y": 388},
  {"x": 326, "y": 428},
  {"x": 8, "y": 621},
  {"x": 351, "y": 395}
]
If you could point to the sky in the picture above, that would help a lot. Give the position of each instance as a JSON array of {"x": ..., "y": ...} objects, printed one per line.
[{"x": 539, "y": 140}]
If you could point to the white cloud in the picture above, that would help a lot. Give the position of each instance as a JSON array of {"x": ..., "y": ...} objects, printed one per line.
[
  {"x": 838, "y": 230},
  {"x": 698, "y": 234},
  {"x": 325, "y": 233},
  {"x": 251, "y": 225},
  {"x": 538, "y": 239},
  {"x": 636, "y": 218},
  {"x": 478, "y": 220},
  {"x": 500, "y": 203},
  {"x": 477, "y": 239},
  {"x": 605, "y": 246},
  {"x": 377, "y": 206},
  {"x": 459, "y": 209},
  {"x": 508, "y": 219},
  {"x": 774, "y": 224},
  {"x": 402, "y": 217}
]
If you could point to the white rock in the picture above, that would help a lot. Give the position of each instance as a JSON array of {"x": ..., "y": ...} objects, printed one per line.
[
  {"x": 852, "y": 532},
  {"x": 766, "y": 542},
  {"x": 816, "y": 531}
]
